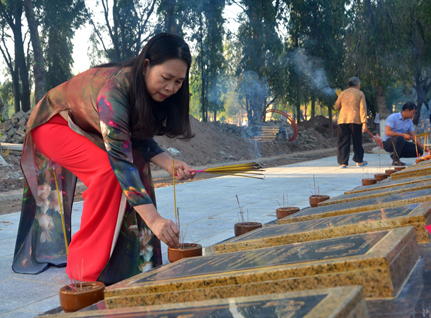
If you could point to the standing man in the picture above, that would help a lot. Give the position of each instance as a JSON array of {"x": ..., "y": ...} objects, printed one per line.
[
  {"x": 352, "y": 121},
  {"x": 377, "y": 124},
  {"x": 399, "y": 131}
]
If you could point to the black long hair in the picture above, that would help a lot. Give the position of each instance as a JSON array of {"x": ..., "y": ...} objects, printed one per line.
[{"x": 171, "y": 116}]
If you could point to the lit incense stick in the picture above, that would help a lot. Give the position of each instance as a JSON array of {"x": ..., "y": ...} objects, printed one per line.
[{"x": 173, "y": 178}]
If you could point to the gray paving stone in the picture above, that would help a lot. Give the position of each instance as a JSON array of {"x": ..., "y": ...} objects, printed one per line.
[
  {"x": 49, "y": 276},
  {"x": 7, "y": 234},
  {"x": 41, "y": 306},
  {"x": 208, "y": 206},
  {"x": 21, "y": 293},
  {"x": 6, "y": 269},
  {"x": 7, "y": 247},
  {"x": 20, "y": 314},
  {"x": 9, "y": 225}
]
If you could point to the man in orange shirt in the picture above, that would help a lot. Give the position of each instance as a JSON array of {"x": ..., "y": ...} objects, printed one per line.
[{"x": 352, "y": 121}]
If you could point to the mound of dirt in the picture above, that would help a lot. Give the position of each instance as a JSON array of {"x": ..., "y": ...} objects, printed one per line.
[{"x": 213, "y": 143}]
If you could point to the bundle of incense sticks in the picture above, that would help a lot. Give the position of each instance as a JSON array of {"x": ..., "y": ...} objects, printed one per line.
[
  {"x": 376, "y": 139},
  {"x": 247, "y": 170},
  {"x": 426, "y": 141}
]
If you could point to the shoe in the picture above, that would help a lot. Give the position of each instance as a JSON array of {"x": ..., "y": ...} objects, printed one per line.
[
  {"x": 343, "y": 166},
  {"x": 398, "y": 163},
  {"x": 363, "y": 164}
]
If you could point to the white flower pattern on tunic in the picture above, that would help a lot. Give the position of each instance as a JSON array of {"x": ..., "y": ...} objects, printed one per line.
[
  {"x": 43, "y": 192},
  {"x": 105, "y": 131},
  {"x": 53, "y": 201},
  {"x": 46, "y": 223},
  {"x": 145, "y": 249}
]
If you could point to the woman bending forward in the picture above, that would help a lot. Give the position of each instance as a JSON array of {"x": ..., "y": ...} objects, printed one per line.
[{"x": 99, "y": 127}]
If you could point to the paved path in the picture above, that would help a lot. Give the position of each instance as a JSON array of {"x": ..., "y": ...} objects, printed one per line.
[{"x": 209, "y": 210}]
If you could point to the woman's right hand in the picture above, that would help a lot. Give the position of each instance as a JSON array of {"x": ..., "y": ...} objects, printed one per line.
[
  {"x": 163, "y": 228},
  {"x": 166, "y": 231}
]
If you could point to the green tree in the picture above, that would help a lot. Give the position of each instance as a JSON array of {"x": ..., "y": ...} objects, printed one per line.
[
  {"x": 372, "y": 47},
  {"x": 176, "y": 15},
  {"x": 59, "y": 19},
  {"x": 39, "y": 64},
  {"x": 315, "y": 49},
  {"x": 261, "y": 48},
  {"x": 413, "y": 28},
  {"x": 210, "y": 60},
  {"x": 11, "y": 20},
  {"x": 127, "y": 24}
]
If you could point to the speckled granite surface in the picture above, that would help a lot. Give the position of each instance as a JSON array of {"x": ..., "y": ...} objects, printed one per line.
[
  {"x": 414, "y": 300},
  {"x": 387, "y": 183},
  {"x": 417, "y": 215},
  {"x": 420, "y": 164},
  {"x": 377, "y": 193},
  {"x": 369, "y": 260},
  {"x": 337, "y": 302},
  {"x": 389, "y": 201},
  {"x": 420, "y": 171}
]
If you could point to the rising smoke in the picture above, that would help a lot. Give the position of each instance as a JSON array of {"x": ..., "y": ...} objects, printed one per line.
[{"x": 311, "y": 69}]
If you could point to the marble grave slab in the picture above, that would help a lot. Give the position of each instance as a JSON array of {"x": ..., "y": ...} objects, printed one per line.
[
  {"x": 419, "y": 164},
  {"x": 417, "y": 215},
  {"x": 420, "y": 171},
  {"x": 388, "y": 201},
  {"x": 377, "y": 193},
  {"x": 337, "y": 302},
  {"x": 387, "y": 183},
  {"x": 379, "y": 261}
]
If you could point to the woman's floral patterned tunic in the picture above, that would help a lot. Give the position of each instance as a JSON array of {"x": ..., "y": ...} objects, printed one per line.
[{"x": 96, "y": 102}]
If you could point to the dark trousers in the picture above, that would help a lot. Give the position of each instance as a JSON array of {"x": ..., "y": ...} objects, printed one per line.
[
  {"x": 401, "y": 148},
  {"x": 345, "y": 133}
]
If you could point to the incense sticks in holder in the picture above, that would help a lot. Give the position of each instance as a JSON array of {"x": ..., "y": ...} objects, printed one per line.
[
  {"x": 78, "y": 296},
  {"x": 315, "y": 199},
  {"x": 184, "y": 251}
]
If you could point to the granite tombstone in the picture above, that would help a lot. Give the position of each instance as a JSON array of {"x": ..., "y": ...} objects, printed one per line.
[
  {"x": 377, "y": 193},
  {"x": 389, "y": 201},
  {"x": 417, "y": 215},
  {"x": 337, "y": 302},
  {"x": 388, "y": 183},
  {"x": 378, "y": 261}
]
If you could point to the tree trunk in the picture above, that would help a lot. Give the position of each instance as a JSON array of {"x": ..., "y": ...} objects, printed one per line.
[
  {"x": 305, "y": 112},
  {"x": 203, "y": 106},
  {"x": 16, "y": 91},
  {"x": 313, "y": 111},
  {"x": 38, "y": 69},
  {"x": 20, "y": 63},
  {"x": 381, "y": 102},
  {"x": 298, "y": 107},
  {"x": 331, "y": 125},
  {"x": 170, "y": 18},
  {"x": 381, "y": 106},
  {"x": 422, "y": 88}
]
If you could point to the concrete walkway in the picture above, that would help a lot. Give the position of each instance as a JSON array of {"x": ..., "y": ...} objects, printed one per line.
[{"x": 208, "y": 209}]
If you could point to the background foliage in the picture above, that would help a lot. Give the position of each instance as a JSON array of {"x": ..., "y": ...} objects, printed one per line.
[{"x": 286, "y": 54}]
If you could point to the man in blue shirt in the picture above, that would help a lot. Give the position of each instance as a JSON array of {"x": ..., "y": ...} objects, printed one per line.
[{"x": 398, "y": 131}]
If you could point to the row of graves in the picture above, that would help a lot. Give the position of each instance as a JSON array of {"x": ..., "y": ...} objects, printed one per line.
[{"x": 362, "y": 254}]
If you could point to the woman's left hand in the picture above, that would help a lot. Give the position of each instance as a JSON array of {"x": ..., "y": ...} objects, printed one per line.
[{"x": 182, "y": 170}]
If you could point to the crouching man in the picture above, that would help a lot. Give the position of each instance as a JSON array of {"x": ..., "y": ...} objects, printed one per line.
[{"x": 399, "y": 133}]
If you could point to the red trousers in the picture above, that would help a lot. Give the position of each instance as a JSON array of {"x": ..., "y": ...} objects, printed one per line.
[{"x": 91, "y": 245}]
